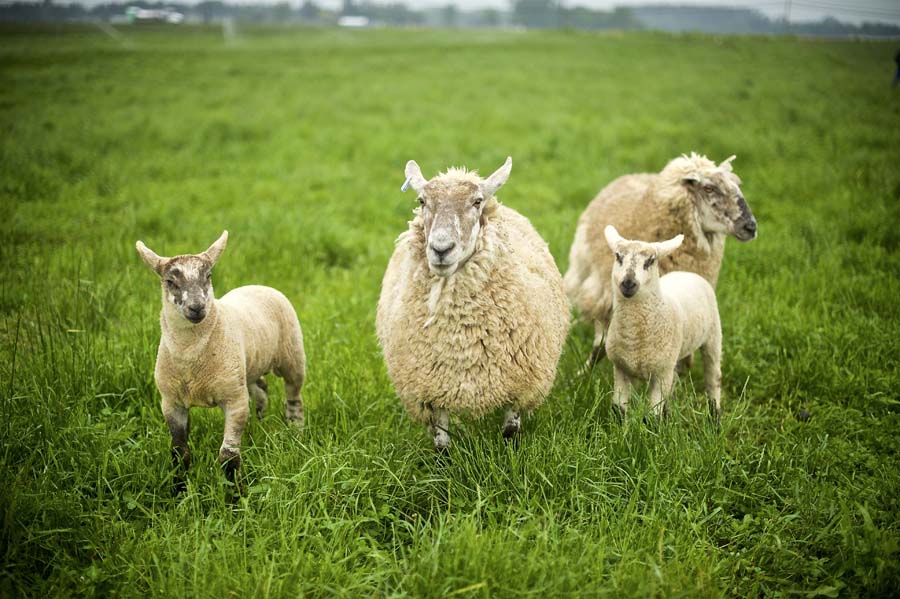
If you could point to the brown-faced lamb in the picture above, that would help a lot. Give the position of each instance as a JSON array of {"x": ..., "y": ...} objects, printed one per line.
[
  {"x": 472, "y": 314},
  {"x": 215, "y": 352},
  {"x": 691, "y": 195},
  {"x": 657, "y": 321}
]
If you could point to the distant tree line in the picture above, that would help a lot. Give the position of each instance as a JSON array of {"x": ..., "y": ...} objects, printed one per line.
[{"x": 535, "y": 14}]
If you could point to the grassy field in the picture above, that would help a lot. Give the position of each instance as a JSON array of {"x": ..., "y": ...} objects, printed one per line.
[{"x": 295, "y": 140}]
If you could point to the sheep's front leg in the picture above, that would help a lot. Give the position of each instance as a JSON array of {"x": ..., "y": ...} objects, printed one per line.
[
  {"x": 439, "y": 427},
  {"x": 598, "y": 350},
  {"x": 660, "y": 389},
  {"x": 621, "y": 391},
  {"x": 236, "y": 414},
  {"x": 179, "y": 422},
  {"x": 513, "y": 424}
]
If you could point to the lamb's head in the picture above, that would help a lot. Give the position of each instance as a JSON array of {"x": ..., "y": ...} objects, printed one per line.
[
  {"x": 451, "y": 207},
  {"x": 637, "y": 262},
  {"x": 716, "y": 191},
  {"x": 186, "y": 280}
]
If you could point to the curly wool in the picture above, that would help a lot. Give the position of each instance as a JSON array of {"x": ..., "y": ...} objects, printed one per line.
[
  {"x": 649, "y": 207},
  {"x": 488, "y": 336}
]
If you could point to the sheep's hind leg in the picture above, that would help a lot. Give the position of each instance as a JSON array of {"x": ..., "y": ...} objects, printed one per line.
[
  {"x": 439, "y": 427},
  {"x": 236, "y": 414},
  {"x": 179, "y": 423},
  {"x": 512, "y": 425},
  {"x": 259, "y": 391},
  {"x": 712, "y": 375}
]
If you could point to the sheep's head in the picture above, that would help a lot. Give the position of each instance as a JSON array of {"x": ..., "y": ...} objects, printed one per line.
[
  {"x": 637, "y": 262},
  {"x": 186, "y": 280},
  {"x": 716, "y": 192},
  {"x": 452, "y": 204}
]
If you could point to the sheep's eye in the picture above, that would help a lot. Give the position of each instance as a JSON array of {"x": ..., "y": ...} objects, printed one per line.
[
  {"x": 421, "y": 201},
  {"x": 209, "y": 275},
  {"x": 477, "y": 202},
  {"x": 709, "y": 189},
  {"x": 618, "y": 257},
  {"x": 649, "y": 262},
  {"x": 171, "y": 284}
]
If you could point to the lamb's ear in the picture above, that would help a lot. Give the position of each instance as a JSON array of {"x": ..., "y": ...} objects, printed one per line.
[
  {"x": 664, "y": 248},
  {"x": 490, "y": 185},
  {"x": 213, "y": 252},
  {"x": 414, "y": 177},
  {"x": 613, "y": 239},
  {"x": 150, "y": 257}
]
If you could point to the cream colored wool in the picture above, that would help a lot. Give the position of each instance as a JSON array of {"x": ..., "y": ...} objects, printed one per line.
[
  {"x": 488, "y": 336},
  {"x": 650, "y": 207},
  {"x": 667, "y": 319}
]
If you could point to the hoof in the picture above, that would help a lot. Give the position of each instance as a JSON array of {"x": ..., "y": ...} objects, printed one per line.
[
  {"x": 179, "y": 488},
  {"x": 618, "y": 412},
  {"x": 803, "y": 415},
  {"x": 512, "y": 428}
]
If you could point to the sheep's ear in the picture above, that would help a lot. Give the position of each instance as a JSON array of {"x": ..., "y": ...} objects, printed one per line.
[
  {"x": 664, "y": 248},
  {"x": 213, "y": 252},
  {"x": 725, "y": 165},
  {"x": 490, "y": 185},
  {"x": 414, "y": 177},
  {"x": 613, "y": 239},
  {"x": 691, "y": 180},
  {"x": 150, "y": 257}
]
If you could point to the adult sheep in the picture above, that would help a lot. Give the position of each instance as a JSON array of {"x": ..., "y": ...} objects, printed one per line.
[
  {"x": 472, "y": 314},
  {"x": 691, "y": 195}
]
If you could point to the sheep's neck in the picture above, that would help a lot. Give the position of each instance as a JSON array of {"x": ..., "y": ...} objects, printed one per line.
[{"x": 187, "y": 341}]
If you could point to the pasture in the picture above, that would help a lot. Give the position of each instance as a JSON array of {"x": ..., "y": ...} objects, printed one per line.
[{"x": 295, "y": 140}]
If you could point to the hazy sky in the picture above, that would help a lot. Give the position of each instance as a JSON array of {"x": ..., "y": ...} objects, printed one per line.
[{"x": 854, "y": 11}]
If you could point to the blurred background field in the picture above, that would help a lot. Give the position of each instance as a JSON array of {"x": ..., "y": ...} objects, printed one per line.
[{"x": 295, "y": 140}]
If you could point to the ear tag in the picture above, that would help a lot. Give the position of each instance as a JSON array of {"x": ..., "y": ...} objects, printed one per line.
[{"x": 405, "y": 185}]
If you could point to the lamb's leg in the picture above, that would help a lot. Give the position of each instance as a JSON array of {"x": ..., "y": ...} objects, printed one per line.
[
  {"x": 660, "y": 389},
  {"x": 236, "y": 415},
  {"x": 685, "y": 364},
  {"x": 294, "y": 373},
  {"x": 179, "y": 422},
  {"x": 513, "y": 423},
  {"x": 439, "y": 427},
  {"x": 259, "y": 391},
  {"x": 712, "y": 375},
  {"x": 293, "y": 404},
  {"x": 621, "y": 391}
]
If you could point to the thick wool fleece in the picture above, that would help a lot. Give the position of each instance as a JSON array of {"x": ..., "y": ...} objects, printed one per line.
[
  {"x": 488, "y": 336},
  {"x": 648, "y": 207},
  {"x": 247, "y": 333}
]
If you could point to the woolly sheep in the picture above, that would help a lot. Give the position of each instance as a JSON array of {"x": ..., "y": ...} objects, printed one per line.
[
  {"x": 215, "y": 352},
  {"x": 472, "y": 314},
  {"x": 691, "y": 195},
  {"x": 658, "y": 320}
]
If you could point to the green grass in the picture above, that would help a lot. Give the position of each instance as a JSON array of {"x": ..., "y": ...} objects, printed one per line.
[{"x": 295, "y": 141}]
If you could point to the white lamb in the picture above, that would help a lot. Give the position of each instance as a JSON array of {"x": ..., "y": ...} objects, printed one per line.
[
  {"x": 215, "y": 352},
  {"x": 658, "y": 320},
  {"x": 472, "y": 315}
]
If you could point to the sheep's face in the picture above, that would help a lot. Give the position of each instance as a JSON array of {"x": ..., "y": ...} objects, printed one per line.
[
  {"x": 636, "y": 264},
  {"x": 721, "y": 205},
  {"x": 186, "y": 280},
  {"x": 451, "y": 208}
]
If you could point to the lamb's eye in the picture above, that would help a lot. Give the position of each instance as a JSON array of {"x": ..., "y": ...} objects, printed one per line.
[
  {"x": 477, "y": 202},
  {"x": 618, "y": 257},
  {"x": 649, "y": 262},
  {"x": 421, "y": 201}
]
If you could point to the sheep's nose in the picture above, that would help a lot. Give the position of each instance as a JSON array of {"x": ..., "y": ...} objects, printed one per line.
[
  {"x": 443, "y": 250},
  {"x": 628, "y": 287},
  {"x": 750, "y": 227}
]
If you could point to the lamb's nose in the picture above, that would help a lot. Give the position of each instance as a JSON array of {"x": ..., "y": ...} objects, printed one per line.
[
  {"x": 443, "y": 250},
  {"x": 628, "y": 287},
  {"x": 195, "y": 309}
]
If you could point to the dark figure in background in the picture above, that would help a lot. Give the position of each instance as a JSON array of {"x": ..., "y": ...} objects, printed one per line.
[{"x": 897, "y": 74}]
